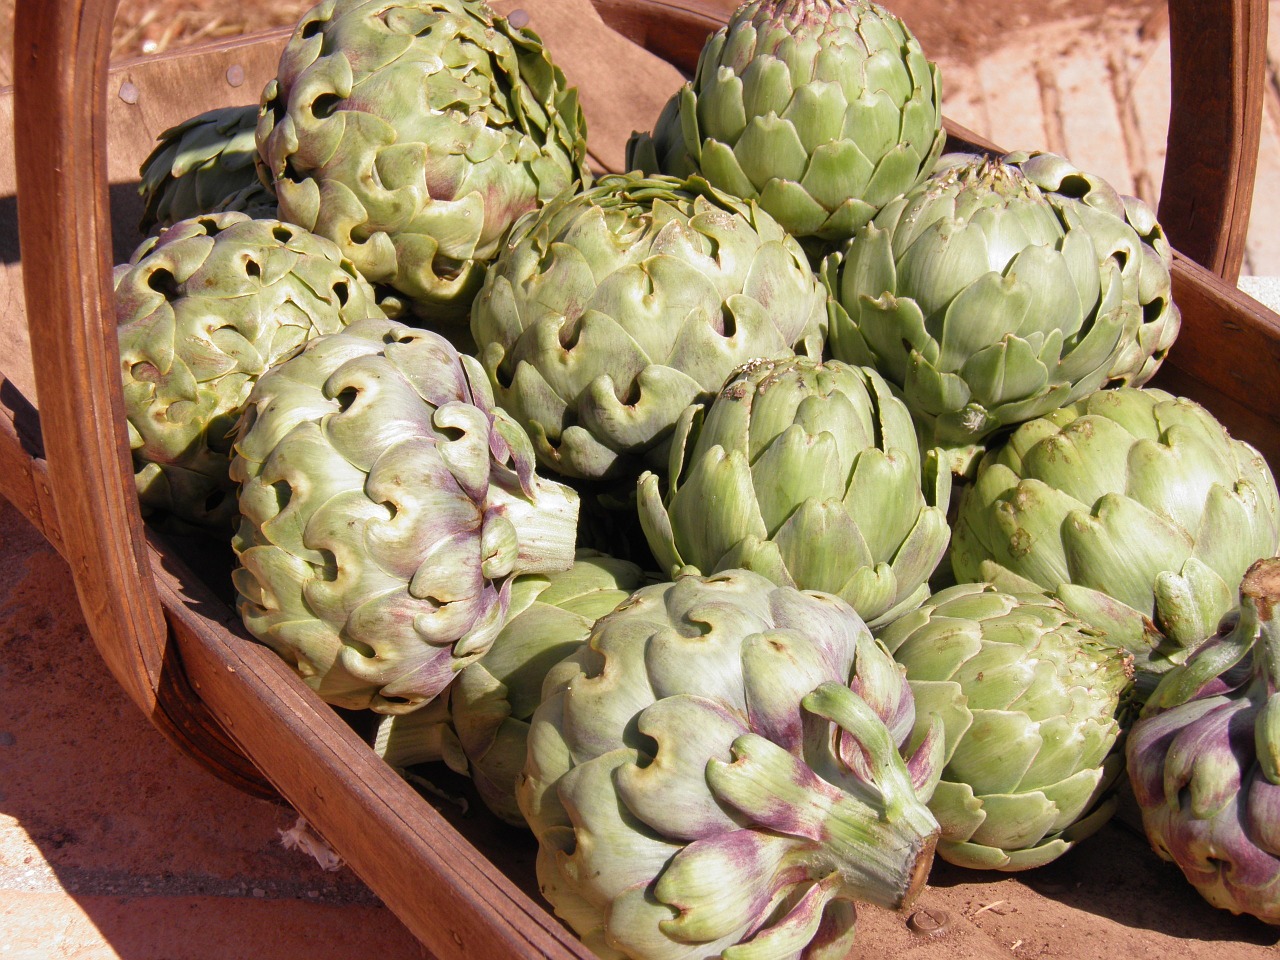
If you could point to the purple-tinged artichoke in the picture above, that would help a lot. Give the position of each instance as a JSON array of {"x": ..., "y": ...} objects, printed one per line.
[
  {"x": 1204, "y": 759},
  {"x": 386, "y": 508},
  {"x": 716, "y": 772}
]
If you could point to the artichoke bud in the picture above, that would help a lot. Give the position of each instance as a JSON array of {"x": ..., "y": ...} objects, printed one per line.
[
  {"x": 1134, "y": 507},
  {"x": 1025, "y": 699},
  {"x": 1000, "y": 289},
  {"x": 413, "y": 135},
  {"x": 202, "y": 311},
  {"x": 612, "y": 310},
  {"x": 810, "y": 473},
  {"x": 820, "y": 111},
  {"x": 711, "y": 728},
  {"x": 374, "y": 555},
  {"x": 207, "y": 164},
  {"x": 1203, "y": 758}
]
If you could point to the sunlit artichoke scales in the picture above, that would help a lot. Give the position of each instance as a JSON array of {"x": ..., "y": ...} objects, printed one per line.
[
  {"x": 1204, "y": 760},
  {"x": 202, "y": 312},
  {"x": 821, "y": 110},
  {"x": 1000, "y": 289},
  {"x": 809, "y": 473},
  {"x": 1029, "y": 697},
  {"x": 611, "y": 310},
  {"x": 720, "y": 763},
  {"x": 207, "y": 164},
  {"x": 386, "y": 507},
  {"x": 1135, "y": 507},
  {"x": 413, "y": 134}
]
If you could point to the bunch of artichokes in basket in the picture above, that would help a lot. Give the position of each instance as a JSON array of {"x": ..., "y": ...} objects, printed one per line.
[{"x": 919, "y": 542}]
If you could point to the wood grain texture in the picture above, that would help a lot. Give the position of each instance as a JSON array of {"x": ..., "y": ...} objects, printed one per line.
[{"x": 1218, "y": 76}]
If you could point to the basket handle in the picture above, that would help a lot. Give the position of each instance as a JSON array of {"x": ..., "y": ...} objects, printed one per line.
[
  {"x": 1218, "y": 52},
  {"x": 62, "y": 49}
]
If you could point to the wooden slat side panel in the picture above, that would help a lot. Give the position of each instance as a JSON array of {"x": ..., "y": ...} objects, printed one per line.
[
  {"x": 1218, "y": 75},
  {"x": 453, "y": 899},
  {"x": 1230, "y": 341}
]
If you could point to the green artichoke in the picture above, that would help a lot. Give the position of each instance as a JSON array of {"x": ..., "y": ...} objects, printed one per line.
[
  {"x": 203, "y": 311},
  {"x": 821, "y": 110},
  {"x": 1029, "y": 697},
  {"x": 719, "y": 765},
  {"x": 809, "y": 473},
  {"x": 206, "y": 164},
  {"x": 484, "y": 731},
  {"x": 386, "y": 508},
  {"x": 413, "y": 133},
  {"x": 612, "y": 310},
  {"x": 999, "y": 290},
  {"x": 1134, "y": 507},
  {"x": 1204, "y": 759}
]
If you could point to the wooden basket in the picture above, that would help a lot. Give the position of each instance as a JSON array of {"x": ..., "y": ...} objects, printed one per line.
[{"x": 168, "y": 636}]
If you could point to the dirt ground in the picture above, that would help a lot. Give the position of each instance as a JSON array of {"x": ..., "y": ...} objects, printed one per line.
[{"x": 945, "y": 27}]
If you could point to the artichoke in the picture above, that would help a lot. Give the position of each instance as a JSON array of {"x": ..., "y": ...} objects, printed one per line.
[
  {"x": 203, "y": 311},
  {"x": 1134, "y": 507},
  {"x": 821, "y": 110},
  {"x": 206, "y": 164},
  {"x": 1204, "y": 759},
  {"x": 809, "y": 473},
  {"x": 612, "y": 310},
  {"x": 386, "y": 508},
  {"x": 719, "y": 764},
  {"x": 413, "y": 133},
  {"x": 999, "y": 290},
  {"x": 1028, "y": 696},
  {"x": 483, "y": 731}
]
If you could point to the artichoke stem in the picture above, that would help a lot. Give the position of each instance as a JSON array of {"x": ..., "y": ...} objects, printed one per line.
[
  {"x": 878, "y": 837},
  {"x": 546, "y": 525}
]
